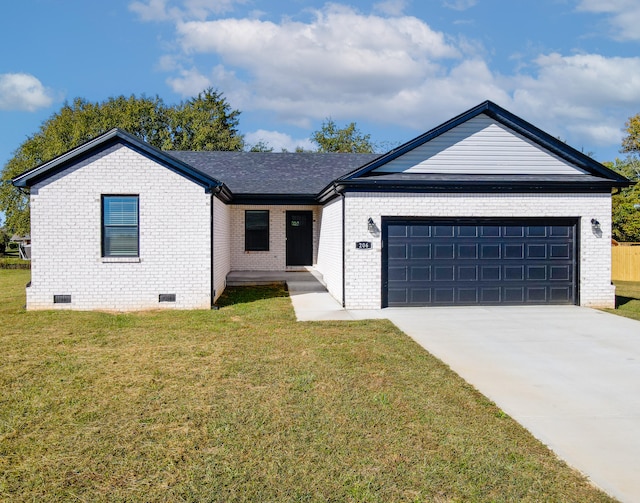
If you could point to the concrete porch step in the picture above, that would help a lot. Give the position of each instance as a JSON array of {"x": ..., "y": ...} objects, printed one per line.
[{"x": 296, "y": 281}]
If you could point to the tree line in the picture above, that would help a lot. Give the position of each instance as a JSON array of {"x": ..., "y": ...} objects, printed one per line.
[
  {"x": 208, "y": 122},
  {"x": 204, "y": 122}
]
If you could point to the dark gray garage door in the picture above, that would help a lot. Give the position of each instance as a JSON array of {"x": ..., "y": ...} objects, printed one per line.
[{"x": 475, "y": 262}]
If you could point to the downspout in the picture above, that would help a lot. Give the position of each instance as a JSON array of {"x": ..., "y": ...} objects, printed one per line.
[
  {"x": 216, "y": 190},
  {"x": 344, "y": 250}
]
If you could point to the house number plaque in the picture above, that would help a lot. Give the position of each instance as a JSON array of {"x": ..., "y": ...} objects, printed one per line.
[{"x": 364, "y": 245}]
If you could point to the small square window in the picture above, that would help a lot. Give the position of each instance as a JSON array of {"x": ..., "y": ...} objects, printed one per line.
[{"x": 256, "y": 230}]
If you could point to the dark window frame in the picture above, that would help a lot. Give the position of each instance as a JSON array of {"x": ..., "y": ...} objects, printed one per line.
[
  {"x": 103, "y": 241},
  {"x": 256, "y": 239}
]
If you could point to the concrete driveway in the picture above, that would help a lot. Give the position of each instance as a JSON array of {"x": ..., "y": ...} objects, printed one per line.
[{"x": 570, "y": 375}]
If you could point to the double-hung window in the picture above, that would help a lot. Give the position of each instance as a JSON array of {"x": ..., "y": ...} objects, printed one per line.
[
  {"x": 256, "y": 230},
  {"x": 120, "y": 229}
]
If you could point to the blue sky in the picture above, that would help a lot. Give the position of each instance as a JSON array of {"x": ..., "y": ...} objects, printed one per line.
[{"x": 396, "y": 67}]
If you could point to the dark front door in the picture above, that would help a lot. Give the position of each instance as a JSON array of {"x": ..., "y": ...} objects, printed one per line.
[
  {"x": 299, "y": 237},
  {"x": 466, "y": 262}
]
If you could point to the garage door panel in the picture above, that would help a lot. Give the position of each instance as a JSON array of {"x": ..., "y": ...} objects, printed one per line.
[
  {"x": 490, "y": 252},
  {"x": 514, "y": 295},
  {"x": 420, "y": 296},
  {"x": 443, "y": 251},
  {"x": 512, "y": 231},
  {"x": 491, "y": 273},
  {"x": 420, "y": 251},
  {"x": 398, "y": 274},
  {"x": 398, "y": 296},
  {"x": 443, "y": 231},
  {"x": 467, "y": 251},
  {"x": 431, "y": 263},
  {"x": 467, "y": 273},
  {"x": 537, "y": 273},
  {"x": 513, "y": 251},
  {"x": 560, "y": 251},
  {"x": 514, "y": 273},
  {"x": 443, "y": 273},
  {"x": 561, "y": 295},
  {"x": 467, "y": 231},
  {"x": 420, "y": 273},
  {"x": 398, "y": 251}
]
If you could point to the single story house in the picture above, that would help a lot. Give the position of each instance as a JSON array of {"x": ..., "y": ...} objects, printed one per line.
[{"x": 485, "y": 209}]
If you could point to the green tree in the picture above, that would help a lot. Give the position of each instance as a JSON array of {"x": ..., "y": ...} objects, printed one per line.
[
  {"x": 331, "y": 138},
  {"x": 205, "y": 122},
  {"x": 631, "y": 142},
  {"x": 4, "y": 240},
  {"x": 625, "y": 205}
]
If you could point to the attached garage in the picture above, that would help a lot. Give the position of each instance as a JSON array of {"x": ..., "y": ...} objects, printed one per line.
[
  {"x": 446, "y": 262},
  {"x": 485, "y": 209}
]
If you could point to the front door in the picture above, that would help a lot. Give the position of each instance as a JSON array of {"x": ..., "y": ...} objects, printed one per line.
[{"x": 299, "y": 238}]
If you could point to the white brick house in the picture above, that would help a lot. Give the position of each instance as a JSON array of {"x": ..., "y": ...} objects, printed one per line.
[{"x": 484, "y": 209}]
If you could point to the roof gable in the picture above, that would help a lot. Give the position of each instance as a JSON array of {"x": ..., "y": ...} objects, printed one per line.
[
  {"x": 104, "y": 141},
  {"x": 481, "y": 145},
  {"x": 486, "y": 140}
]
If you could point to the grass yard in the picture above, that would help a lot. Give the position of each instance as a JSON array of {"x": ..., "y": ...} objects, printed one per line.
[
  {"x": 246, "y": 404},
  {"x": 627, "y": 299}
]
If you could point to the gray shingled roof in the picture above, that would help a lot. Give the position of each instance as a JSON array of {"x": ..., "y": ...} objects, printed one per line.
[{"x": 274, "y": 173}]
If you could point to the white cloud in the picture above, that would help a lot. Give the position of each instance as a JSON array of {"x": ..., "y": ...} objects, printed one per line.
[
  {"x": 278, "y": 141},
  {"x": 589, "y": 94},
  {"x": 340, "y": 56},
  {"x": 459, "y": 4},
  {"x": 163, "y": 10},
  {"x": 190, "y": 82},
  {"x": 395, "y": 69},
  {"x": 391, "y": 7},
  {"x": 624, "y": 16},
  {"x": 21, "y": 91}
]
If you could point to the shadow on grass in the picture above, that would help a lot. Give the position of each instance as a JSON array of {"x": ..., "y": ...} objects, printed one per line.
[
  {"x": 621, "y": 301},
  {"x": 234, "y": 295}
]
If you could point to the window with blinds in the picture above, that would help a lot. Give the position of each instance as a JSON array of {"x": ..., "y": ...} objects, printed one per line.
[{"x": 120, "y": 231}]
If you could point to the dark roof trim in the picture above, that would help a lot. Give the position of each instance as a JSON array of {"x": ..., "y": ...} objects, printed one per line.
[
  {"x": 508, "y": 119},
  {"x": 453, "y": 186},
  {"x": 276, "y": 199},
  {"x": 108, "y": 139}
]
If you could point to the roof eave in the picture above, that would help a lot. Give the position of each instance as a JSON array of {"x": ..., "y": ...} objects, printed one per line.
[
  {"x": 549, "y": 186},
  {"x": 275, "y": 199},
  {"x": 50, "y": 168}
]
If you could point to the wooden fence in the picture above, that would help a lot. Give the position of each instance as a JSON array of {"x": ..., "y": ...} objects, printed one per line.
[{"x": 625, "y": 263}]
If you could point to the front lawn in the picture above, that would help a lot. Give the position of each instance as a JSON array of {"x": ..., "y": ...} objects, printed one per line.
[
  {"x": 246, "y": 404},
  {"x": 627, "y": 299}
]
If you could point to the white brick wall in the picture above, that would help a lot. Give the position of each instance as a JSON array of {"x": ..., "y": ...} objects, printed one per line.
[
  {"x": 330, "y": 247},
  {"x": 364, "y": 267},
  {"x": 276, "y": 258},
  {"x": 221, "y": 245},
  {"x": 175, "y": 250}
]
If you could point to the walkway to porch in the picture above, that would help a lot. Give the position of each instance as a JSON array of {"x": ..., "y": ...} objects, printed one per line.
[{"x": 309, "y": 295}]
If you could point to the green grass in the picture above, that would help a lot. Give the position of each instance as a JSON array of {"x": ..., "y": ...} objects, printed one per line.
[
  {"x": 246, "y": 404},
  {"x": 627, "y": 299}
]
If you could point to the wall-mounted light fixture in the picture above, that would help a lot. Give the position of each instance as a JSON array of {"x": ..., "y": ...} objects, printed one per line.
[
  {"x": 595, "y": 225},
  {"x": 373, "y": 228}
]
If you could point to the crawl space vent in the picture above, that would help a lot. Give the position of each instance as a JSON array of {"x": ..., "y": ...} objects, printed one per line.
[
  {"x": 167, "y": 297},
  {"x": 62, "y": 299}
]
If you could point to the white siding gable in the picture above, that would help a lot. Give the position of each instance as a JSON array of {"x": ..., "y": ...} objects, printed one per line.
[{"x": 480, "y": 145}]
